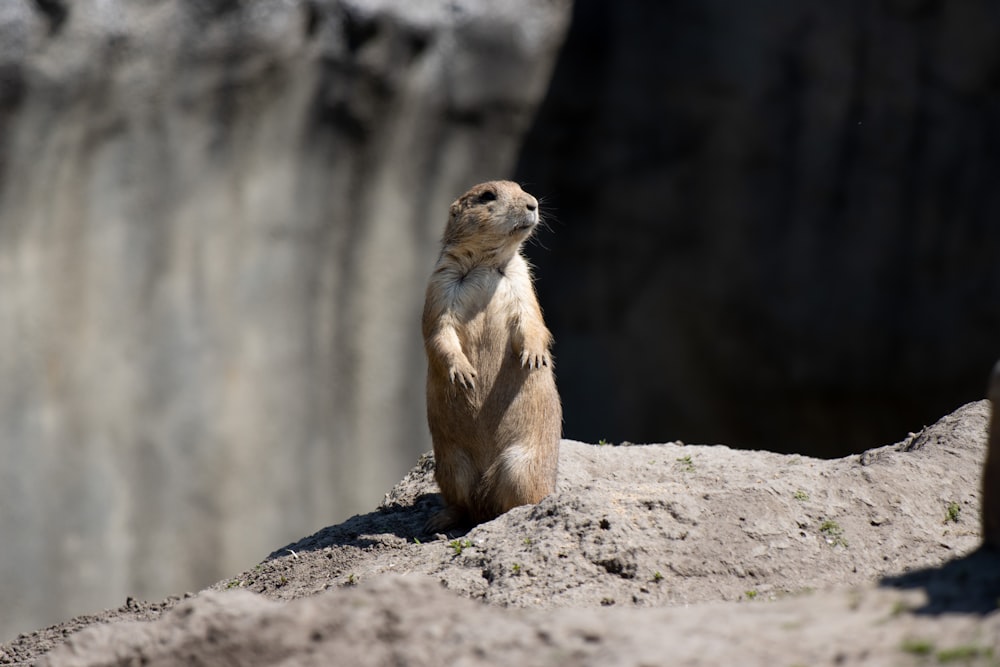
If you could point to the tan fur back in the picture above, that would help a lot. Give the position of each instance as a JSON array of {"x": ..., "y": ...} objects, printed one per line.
[{"x": 492, "y": 404}]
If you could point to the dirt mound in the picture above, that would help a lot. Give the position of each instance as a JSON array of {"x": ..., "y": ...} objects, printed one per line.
[
  {"x": 411, "y": 620},
  {"x": 705, "y": 554}
]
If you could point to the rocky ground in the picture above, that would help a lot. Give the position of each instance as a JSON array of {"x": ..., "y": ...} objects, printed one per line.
[{"x": 686, "y": 554}]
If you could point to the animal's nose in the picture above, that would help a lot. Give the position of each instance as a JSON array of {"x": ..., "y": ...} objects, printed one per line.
[{"x": 532, "y": 205}]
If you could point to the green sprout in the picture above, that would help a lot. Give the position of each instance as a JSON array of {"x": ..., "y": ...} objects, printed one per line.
[
  {"x": 460, "y": 545},
  {"x": 833, "y": 532}
]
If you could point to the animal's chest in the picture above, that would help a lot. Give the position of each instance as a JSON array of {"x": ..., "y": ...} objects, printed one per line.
[{"x": 488, "y": 306}]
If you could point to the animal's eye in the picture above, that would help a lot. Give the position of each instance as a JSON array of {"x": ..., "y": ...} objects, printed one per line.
[{"x": 487, "y": 196}]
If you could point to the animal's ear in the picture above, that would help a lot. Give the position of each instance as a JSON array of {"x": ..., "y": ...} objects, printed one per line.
[{"x": 456, "y": 207}]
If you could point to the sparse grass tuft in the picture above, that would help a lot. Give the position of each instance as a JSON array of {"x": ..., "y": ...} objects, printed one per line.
[
  {"x": 657, "y": 577},
  {"x": 833, "y": 533},
  {"x": 800, "y": 495},
  {"x": 954, "y": 512},
  {"x": 750, "y": 595},
  {"x": 899, "y": 608},
  {"x": 917, "y": 646},
  {"x": 460, "y": 545},
  {"x": 686, "y": 464},
  {"x": 963, "y": 654}
]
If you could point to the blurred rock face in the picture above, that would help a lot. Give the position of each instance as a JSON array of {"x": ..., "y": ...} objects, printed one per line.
[
  {"x": 216, "y": 223},
  {"x": 775, "y": 225},
  {"x": 991, "y": 473}
]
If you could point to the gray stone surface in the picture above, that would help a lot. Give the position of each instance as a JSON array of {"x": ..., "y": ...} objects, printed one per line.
[
  {"x": 991, "y": 469},
  {"x": 216, "y": 222},
  {"x": 411, "y": 620}
]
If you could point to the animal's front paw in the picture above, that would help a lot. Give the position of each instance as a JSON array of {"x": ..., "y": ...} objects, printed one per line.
[
  {"x": 535, "y": 357},
  {"x": 462, "y": 374}
]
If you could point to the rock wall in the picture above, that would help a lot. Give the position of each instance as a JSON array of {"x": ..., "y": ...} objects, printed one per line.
[
  {"x": 216, "y": 221},
  {"x": 991, "y": 469},
  {"x": 775, "y": 224}
]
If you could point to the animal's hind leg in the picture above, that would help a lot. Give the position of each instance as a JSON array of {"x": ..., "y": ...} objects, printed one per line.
[
  {"x": 518, "y": 477},
  {"x": 450, "y": 518},
  {"x": 456, "y": 478}
]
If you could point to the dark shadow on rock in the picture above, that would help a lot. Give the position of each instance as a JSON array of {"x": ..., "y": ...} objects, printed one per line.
[
  {"x": 362, "y": 530},
  {"x": 730, "y": 251},
  {"x": 56, "y": 12},
  {"x": 965, "y": 585}
]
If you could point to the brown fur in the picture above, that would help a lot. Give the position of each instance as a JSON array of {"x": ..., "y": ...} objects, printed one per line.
[
  {"x": 492, "y": 404},
  {"x": 991, "y": 472}
]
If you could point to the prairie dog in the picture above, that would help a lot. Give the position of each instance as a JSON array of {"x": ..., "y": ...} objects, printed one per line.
[
  {"x": 991, "y": 472},
  {"x": 492, "y": 404}
]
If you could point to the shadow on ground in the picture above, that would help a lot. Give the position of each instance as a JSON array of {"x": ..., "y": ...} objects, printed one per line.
[
  {"x": 965, "y": 585},
  {"x": 358, "y": 531}
]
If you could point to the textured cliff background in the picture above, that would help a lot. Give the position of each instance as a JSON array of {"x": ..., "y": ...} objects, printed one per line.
[
  {"x": 771, "y": 226},
  {"x": 216, "y": 223}
]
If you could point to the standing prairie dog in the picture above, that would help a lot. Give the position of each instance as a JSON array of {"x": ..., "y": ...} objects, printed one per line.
[
  {"x": 991, "y": 472},
  {"x": 492, "y": 404}
]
